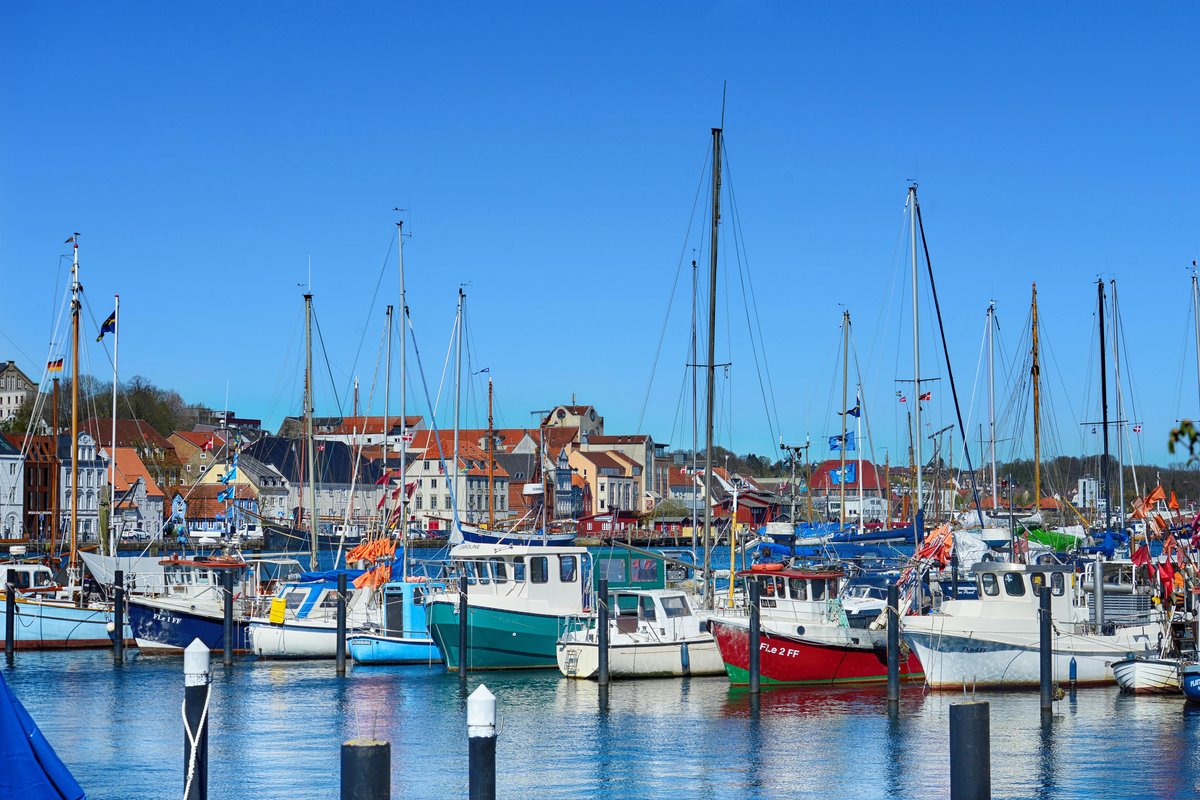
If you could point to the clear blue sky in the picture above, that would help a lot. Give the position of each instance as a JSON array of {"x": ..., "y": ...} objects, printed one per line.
[{"x": 549, "y": 154}]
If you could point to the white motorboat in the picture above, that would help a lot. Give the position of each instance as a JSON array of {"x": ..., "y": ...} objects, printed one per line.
[
  {"x": 302, "y": 619},
  {"x": 994, "y": 640},
  {"x": 652, "y": 633},
  {"x": 1144, "y": 675}
]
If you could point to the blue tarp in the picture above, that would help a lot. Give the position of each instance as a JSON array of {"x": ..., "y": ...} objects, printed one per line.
[
  {"x": 330, "y": 575},
  {"x": 29, "y": 767}
]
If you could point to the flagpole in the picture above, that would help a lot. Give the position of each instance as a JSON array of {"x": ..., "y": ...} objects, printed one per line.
[{"x": 112, "y": 481}]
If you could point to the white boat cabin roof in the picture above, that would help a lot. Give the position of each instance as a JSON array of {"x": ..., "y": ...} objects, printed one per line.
[{"x": 487, "y": 550}]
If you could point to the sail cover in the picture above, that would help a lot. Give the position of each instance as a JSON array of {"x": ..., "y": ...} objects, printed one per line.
[{"x": 29, "y": 767}]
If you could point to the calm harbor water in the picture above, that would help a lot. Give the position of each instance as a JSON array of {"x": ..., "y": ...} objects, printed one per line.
[{"x": 277, "y": 728}]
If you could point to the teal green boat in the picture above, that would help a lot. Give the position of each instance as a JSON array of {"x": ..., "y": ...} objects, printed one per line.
[{"x": 521, "y": 599}]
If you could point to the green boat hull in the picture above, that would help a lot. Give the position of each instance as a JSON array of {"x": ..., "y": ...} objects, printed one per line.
[{"x": 496, "y": 638}]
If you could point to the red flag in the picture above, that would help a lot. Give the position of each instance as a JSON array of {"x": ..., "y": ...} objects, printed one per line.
[
  {"x": 208, "y": 443},
  {"x": 1141, "y": 556},
  {"x": 1173, "y": 503},
  {"x": 1166, "y": 574},
  {"x": 926, "y": 396},
  {"x": 410, "y": 487},
  {"x": 1155, "y": 496}
]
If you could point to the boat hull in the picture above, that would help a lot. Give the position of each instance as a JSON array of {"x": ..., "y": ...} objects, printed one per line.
[
  {"x": 796, "y": 660},
  {"x": 372, "y": 649},
  {"x": 954, "y": 660},
  {"x": 698, "y": 656},
  {"x": 1191, "y": 682},
  {"x": 47, "y": 625},
  {"x": 480, "y": 536},
  {"x": 1148, "y": 675},
  {"x": 496, "y": 638},
  {"x": 167, "y": 627},
  {"x": 294, "y": 640}
]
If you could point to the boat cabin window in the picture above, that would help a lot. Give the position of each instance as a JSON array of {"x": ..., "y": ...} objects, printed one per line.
[
  {"x": 614, "y": 570},
  {"x": 817, "y": 588},
  {"x": 797, "y": 588},
  {"x": 566, "y": 568},
  {"x": 294, "y": 598},
  {"x": 1037, "y": 580},
  {"x": 1058, "y": 584},
  {"x": 499, "y": 573},
  {"x": 418, "y": 596},
  {"x": 1014, "y": 584},
  {"x": 645, "y": 569},
  {"x": 988, "y": 584},
  {"x": 675, "y": 606},
  {"x": 481, "y": 572},
  {"x": 646, "y": 608},
  {"x": 469, "y": 570},
  {"x": 538, "y": 573},
  {"x": 329, "y": 600},
  {"x": 519, "y": 568},
  {"x": 26, "y": 580}
]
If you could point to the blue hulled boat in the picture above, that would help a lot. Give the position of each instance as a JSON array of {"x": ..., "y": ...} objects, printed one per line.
[
  {"x": 1191, "y": 682},
  {"x": 404, "y": 637}
]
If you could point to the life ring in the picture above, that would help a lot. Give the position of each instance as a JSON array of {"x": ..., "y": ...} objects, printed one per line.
[{"x": 774, "y": 566}]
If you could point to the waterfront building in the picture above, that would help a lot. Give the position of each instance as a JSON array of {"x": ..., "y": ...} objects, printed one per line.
[
  {"x": 156, "y": 453},
  {"x": 138, "y": 500},
  {"x": 12, "y": 491},
  {"x": 613, "y": 479},
  {"x": 93, "y": 485},
  {"x": 16, "y": 389},
  {"x": 40, "y": 473}
]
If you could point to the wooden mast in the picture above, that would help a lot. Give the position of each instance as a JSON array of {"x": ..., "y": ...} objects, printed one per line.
[
  {"x": 1036, "y": 373},
  {"x": 55, "y": 466},
  {"x": 74, "y": 485}
]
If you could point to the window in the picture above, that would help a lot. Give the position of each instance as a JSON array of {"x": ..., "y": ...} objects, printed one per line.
[
  {"x": 446, "y": 502},
  {"x": 1058, "y": 584},
  {"x": 482, "y": 572},
  {"x": 645, "y": 569},
  {"x": 420, "y": 505},
  {"x": 566, "y": 568},
  {"x": 988, "y": 584},
  {"x": 818, "y": 589},
  {"x": 469, "y": 569},
  {"x": 538, "y": 572},
  {"x": 646, "y": 609},
  {"x": 519, "y": 568},
  {"x": 1014, "y": 584},
  {"x": 796, "y": 588},
  {"x": 499, "y": 573},
  {"x": 677, "y": 606},
  {"x": 613, "y": 569}
]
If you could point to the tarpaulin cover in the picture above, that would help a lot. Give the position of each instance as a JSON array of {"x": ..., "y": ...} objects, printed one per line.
[{"x": 29, "y": 767}]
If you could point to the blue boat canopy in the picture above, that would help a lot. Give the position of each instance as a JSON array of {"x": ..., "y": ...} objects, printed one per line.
[
  {"x": 330, "y": 575},
  {"x": 29, "y": 767}
]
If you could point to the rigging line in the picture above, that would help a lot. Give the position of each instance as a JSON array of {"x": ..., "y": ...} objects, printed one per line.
[
  {"x": 946, "y": 350},
  {"x": 883, "y": 322},
  {"x": 370, "y": 307},
  {"x": 861, "y": 401},
  {"x": 674, "y": 285},
  {"x": 744, "y": 263},
  {"x": 328, "y": 366},
  {"x": 446, "y": 363},
  {"x": 432, "y": 415},
  {"x": 974, "y": 389}
]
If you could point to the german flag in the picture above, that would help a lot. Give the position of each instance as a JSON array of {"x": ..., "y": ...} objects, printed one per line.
[{"x": 54, "y": 366}]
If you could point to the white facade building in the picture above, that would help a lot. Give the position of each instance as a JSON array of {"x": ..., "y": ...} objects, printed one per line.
[
  {"x": 12, "y": 490},
  {"x": 15, "y": 389},
  {"x": 93, "y": 486}
]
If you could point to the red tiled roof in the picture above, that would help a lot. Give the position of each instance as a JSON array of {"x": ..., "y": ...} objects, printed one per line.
[
  {"x": 200, "y": 438},
  {"x": 129, "y": 469},
  {"x": 372, "y": 425},
  {"x": 871, "y": 479},
  {"x": 130, "y": 433},
  {"x": 202, "y": 498},
  {"x": 631, "y": 438}
]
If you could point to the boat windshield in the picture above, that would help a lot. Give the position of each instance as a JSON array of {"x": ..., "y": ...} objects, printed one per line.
[
  {"x": 676, "y": 606},
  {"x": 866, "y": 593}
]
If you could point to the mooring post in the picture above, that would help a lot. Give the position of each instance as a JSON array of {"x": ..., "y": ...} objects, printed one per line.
[
  {"x": 227, "y": 591},
  {"x": 481, "y": 742},
  {"x": 341, "y": 623},
  {"x": 970, "y": 751},
  {"x": 119, "y": 616},
  {"x": 10, "y": 615},
  {"x": 953, "y": 574},
  {"x": 462, "y": 628},
  {"x": 196, "y": 690},
  {"x": 602, "y": 633},
  {"x": 366, "y": 770},
  {"x": 893, "y": 647},
  {"x": 1045, "y": 651},
  {"x": 755, "y": 635}
]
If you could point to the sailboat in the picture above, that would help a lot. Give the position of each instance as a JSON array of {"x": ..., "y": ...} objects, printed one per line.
[{"x": 50, "y": 616}]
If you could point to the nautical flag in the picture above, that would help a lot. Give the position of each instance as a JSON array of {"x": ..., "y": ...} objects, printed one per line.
[
  {"x": 54, "y": 366},
  {"x": 407, "y": 437},
  {"x": 1173, "y": 503},
  {"x": 208, "y": 444},
  {"x": 835, "y": 442},
  {"x": 321, "y": 447},
  {"x": 926, "y": 396},
  {"x": 227, "y": 494},
  {"x": 228, "y": 476},
  {"x": 1093, "y": 429},
  {"x": 1157, "y": 495},
  {"x": 109, "y": 326},
  {"x": 856, "y": 411},
  {"x": 901, "y": 397},
  {"x": 851, "y": 474},
  {"x": 235, "y": 456},
  {"x": 1141, "y": 556},
  {"x": 71, "y": 240},
  {"x": 1137, "y": 428}
]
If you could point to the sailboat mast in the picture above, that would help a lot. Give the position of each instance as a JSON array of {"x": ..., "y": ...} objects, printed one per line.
[
  {"x": 912, "y": 235},
  {"x": 845, "y": 378},
  {"x": 112, "y": 461},
  {"x": 711, "y": 366},
  {"x": 308, "y": 432},
  {"x": 387, "y": 401},
  {"x": 1103, "y": 404},
  {"x": 1036, "y": 374},
  {"x": 403, "y": 399},
  {"x": 74, "y": 485},
  {"x": 1116, "y": 334},
  {"x": 457, "y": 404},
  {"x": 991, "y": 313},
  {"x": 858, "y": 477},
  {"x": 696, "y": 401},
  {"x": 54, "y": 473},
  {"x": 1196, "y": 322},
  {"x": 491, "y": 463}
]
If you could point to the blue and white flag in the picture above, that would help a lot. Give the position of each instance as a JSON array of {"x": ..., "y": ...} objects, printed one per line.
[
  {"x": 835, "y": 474},
  {"x": 835, "y": 442},
  {"x": 856, "y": 411},
  {"x": 225, "y": 495},
  {"x": 228, "y": 476}
]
